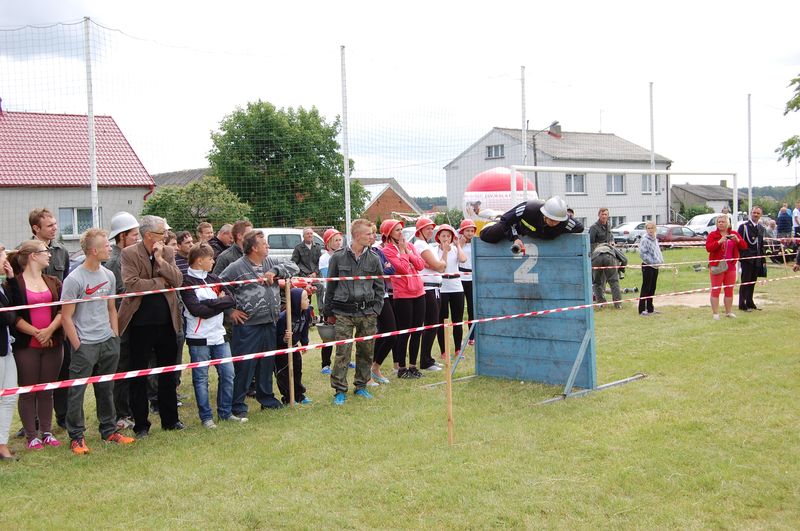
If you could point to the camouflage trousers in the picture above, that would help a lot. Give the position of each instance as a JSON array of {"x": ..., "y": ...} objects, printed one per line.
[{"x": 346, "y": 325}]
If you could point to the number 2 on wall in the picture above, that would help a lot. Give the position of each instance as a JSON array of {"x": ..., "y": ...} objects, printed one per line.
[{"x": 523, "y": 274}]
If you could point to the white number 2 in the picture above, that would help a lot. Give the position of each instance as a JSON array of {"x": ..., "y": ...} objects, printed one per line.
[{"x": 523, "y": 274}]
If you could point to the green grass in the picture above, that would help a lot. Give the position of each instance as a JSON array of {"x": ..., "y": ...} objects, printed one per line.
[{"x": 709, "y": 439}]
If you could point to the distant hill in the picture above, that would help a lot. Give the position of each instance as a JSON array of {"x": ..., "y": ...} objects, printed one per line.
[
  {"x": 778, "y": 192},
  {"x": 427, "y": 203}
]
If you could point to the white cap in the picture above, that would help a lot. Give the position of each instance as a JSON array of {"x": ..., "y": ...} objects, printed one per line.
[{"x": 122, "y": 222}]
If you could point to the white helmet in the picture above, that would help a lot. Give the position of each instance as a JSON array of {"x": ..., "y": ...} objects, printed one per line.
[
  {"x": 555, "y": 208},
  {"x": 122, "y": 222}
]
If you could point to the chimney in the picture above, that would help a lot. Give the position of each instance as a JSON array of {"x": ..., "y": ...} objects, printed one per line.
[{"x": 723, "y": 183}]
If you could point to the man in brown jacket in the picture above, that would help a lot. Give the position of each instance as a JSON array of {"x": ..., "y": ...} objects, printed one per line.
[{"x": 153, "y": 321}]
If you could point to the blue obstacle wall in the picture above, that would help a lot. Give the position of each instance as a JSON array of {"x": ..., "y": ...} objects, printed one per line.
[{"x": 552, "y": 274}]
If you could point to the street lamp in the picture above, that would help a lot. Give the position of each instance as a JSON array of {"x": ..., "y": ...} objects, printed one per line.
[{"x": 554, "y": 130}]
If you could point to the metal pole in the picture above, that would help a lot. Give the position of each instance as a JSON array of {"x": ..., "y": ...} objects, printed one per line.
[
  {"x": 735, "y": 214},
  {"x": 87, "y": 51},
  {"x": 653, "y": 156},
  {"x": 535, "y": 172},
  {"x": 524, "y": 137},
  {"x": 749, "y": 159},
  {"x": 345, "y": 151}
]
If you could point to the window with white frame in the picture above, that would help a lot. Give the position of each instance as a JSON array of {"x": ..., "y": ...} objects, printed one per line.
[
  {"x": 495, "y": 152},
  {"x": 576, "y": 183},
  {"x": 617, "y": 220},
  {"x": 647, "y": 217},
  {"x": 647, "y": 184},
  {"x": 73, "y": 221},
  {"x": 615, "y": 184}
]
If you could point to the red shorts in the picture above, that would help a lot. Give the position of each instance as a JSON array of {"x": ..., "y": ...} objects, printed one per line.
[{"x": 728, "y": 279}]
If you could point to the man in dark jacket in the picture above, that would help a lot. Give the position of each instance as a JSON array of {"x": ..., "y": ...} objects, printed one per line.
[
  {"x": 306, "y": 254},
  {"x": 354, "y": 306},
  {"x": 600, "y": 231},
  {"x": 752, "y": 232},
  {"x": 234, "y": 252},
  {"x": 222, "y": 240}
]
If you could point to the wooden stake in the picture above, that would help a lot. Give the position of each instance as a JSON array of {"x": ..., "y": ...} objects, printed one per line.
[
  {"x": 448, "y": 338},
  {"x": 288, "y": 288}
]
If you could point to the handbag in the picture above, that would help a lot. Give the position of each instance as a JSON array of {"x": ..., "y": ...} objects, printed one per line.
[{"x": 722, "y": 266}]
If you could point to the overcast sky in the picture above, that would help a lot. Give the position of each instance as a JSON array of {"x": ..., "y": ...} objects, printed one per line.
[{"x": 425, "y": 79}]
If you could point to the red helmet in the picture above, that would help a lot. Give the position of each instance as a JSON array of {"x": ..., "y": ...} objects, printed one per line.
[
  {"x": 388, "y": 226},
  {"x": 424, "y": 222},
  {"x": 329, "y": 233},
  {"x": 466, "y": 224},
  {"x": 443, "y": 228}
]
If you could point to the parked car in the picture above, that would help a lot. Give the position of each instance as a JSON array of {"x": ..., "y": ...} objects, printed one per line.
[
  {"x": 703, "y": 224},
  {"x": 676, "y": 234},
  {"x": 283, "y": 241},
  {"x": 630, "y": 232}
]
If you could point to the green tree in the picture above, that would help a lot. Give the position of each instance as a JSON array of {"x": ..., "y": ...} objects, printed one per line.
[
  {"x": 204, "y": 200},
  {"x": 790, "y": 148},
  {"x": 451, "y": 217},
  {"x": 690, "y": 211},
  {"x": 285, "y": 164}
]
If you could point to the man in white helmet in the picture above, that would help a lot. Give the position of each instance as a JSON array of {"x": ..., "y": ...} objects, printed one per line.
[{"x": 538, "y": 219}]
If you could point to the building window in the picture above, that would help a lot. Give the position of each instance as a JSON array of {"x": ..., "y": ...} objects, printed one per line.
[
  {"x": 617, "y": 220},
  {"x": 576, "y": 183},
  {"x": 583, "y": 222},
  {"x": 647, "y": 184},
  {"x": 648, "y": 217},
  {"x": 615, "y": 184},
  {"x": 495, "y": 152},
  {"x": 72, "y": 222}
]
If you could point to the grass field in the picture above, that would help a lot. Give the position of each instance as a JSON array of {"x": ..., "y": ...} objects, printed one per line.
[{"x": 709, "y": 439}]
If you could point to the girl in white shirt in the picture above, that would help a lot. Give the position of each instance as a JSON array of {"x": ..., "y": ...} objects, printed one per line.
[{"x": 452, "y": 293}]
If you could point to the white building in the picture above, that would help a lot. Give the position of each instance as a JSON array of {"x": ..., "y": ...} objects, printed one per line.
[{"x": 629, "y": 196}]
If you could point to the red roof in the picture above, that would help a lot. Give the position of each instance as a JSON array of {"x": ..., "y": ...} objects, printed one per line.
[{"x": 43, "y": 150}]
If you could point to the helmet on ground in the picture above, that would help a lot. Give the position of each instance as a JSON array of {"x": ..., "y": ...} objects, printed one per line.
[
  {"x": 388, "y": 226},
  {"x": 329, "y": 233},
  {"x": 466, "y": 224},
  {"x": 555, "y": 208},
  {"x": 444, "y": 228},
  {"x": 424, "y": 222},
  {"x": 122, "y": 222}
]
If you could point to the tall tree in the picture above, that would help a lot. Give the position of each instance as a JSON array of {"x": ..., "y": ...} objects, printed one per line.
[
  {"x": 790, "y": 148},
  {"x": 285, "y": 164},
  {"x": 204, "y": 200}
]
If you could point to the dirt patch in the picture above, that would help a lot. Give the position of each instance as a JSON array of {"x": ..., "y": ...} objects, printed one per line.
[{"x": 699, "y": 300}]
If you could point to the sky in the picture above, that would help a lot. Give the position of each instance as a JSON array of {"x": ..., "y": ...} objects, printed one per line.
[{"x": 424, "y": 79}]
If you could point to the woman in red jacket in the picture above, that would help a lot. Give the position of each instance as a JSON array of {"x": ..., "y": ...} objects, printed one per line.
[
  {"x": 408, "y": 294},
  {"x": 723, "y": 248}
]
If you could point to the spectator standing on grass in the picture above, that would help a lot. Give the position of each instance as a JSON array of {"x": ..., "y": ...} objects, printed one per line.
[
  {"x": 537, "y": 219},
  {"x": 38, "y": 338},
  {"x": 333, "y": 242},
  {"x": 467, "y": 231},
  {"x": 185, "y": 242},
  {"x": 600, "y": 231},
  {"x": 432, "y": 281},
  {"x": 386, "y": 319},
  {"x": 205, "y": 231},
  {"x": 45, "y": 228},
  {"x": 205, "y": 333},
  {"x": 222, "y": 240},
  {"x": 290, "y": 336},
  {"x": 753, "y": 263},
  {"x": 154, "y": 321},
  {"x": 91, "y": 328},
  {"x": 796, "y": 219},
  {"x": 124, "y": 232},
  {"x": 8, "y": 367},
  {"x": 652, "y": 258},
  {"x": 234, "y": 252},
  {"x": 452, "y": 300},
  {"x": 784, "y": 222},
  {"x": 723, "y": 246},
  {"x": 307, "y": 253},
  {"x": 254, "y": 317},
  {"x": 408, "y": 295},
  {"x": 353, "y": 307}
]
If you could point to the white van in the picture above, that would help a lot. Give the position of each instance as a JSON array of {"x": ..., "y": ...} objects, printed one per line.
[
  {"x": 703, "y": 224},
  {"x": 283, "y": 241}
]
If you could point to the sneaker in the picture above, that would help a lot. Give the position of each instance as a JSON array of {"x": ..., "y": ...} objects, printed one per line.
[
  {"x": 125, "y": 423},
  {"x": 20, "y": 433},
  {"x": 432, "y": 368},
  {"x": 241, "y": 419},
  {"x": 339, "y": 399},
  {"x": 372, "y": 383},
  {"x": 325, "y": 370},
  {"x": 35, "y": 444},
  {"x": 118, "y": 438},
  {"x": 415, "y": 372},
  {"x": 716, "y": 317},
  {"x": 351, "y": 365},
  {"x": 363, "y": 393},
  {"x": 178, "y": 426},
  {"x": 305, "y": 401},
  {"x": 405, "y": 373},
  {"x": 143, "y": 434},
  {"x": 378, "y": 378},
  {"x": 209, "y": 424},
  {"x": 78, "y": 446},
  {"x": 644, "y": 314},
  {"x": 49, "y": 440},
  {"x": 731, "y": 315}
]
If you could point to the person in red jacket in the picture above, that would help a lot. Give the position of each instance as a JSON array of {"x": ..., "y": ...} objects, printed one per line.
[{"x": 723, "y": 246}]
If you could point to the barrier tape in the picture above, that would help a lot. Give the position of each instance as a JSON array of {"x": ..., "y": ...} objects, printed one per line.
[{"x": 235, "y": 359}]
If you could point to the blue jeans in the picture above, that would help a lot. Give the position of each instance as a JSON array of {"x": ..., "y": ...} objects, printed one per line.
[
  {"x": 247, "y": 340},
  {"x": 200, "y": 380}
]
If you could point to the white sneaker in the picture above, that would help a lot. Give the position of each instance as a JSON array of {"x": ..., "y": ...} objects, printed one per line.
[
  {"x": 644, "y": 314},
  {"x": 234, "y": 418},
  {"x": 731, "y": 315},
  {"x": 372, "y": 383},
  {"x": 433, "y": 368},
  {"x": 716, "y": 317},
  {"x": 209, "y": 424}
]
